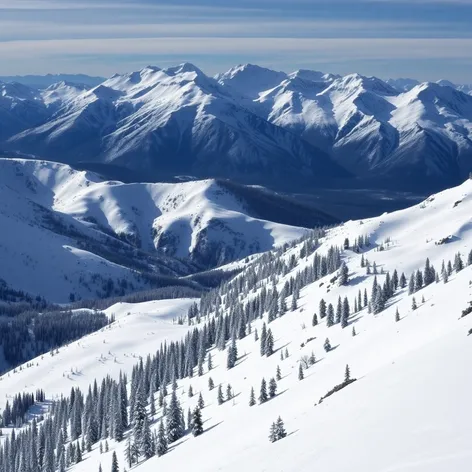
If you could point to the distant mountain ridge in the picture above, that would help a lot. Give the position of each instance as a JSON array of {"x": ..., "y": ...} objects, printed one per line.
[
  {"x": 45, "y": 81},
  {"x": 250, "y": 124}
]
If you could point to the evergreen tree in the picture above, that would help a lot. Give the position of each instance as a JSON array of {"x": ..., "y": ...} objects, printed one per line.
[
  {"x": 263, "y": 392},
  {"x": 200, "y": 402},
  {"x": 322, "y": 309},
  {"x": 147, "y": 447},
  {"x": 211, "y": 384},
  {"x": 330, "y": 316},
  {"x": 263, "y": 340},
  {"x": 327, "y": 345},
  {"x": 314, "y": 321},
  {"x": 347, "y": 374},
  {"x": 272, "y": 387},
  {"x": 300, "y": 372},
  {"x": 278, "y": 374},
  {"x": 114, "y": 463},
  {"x": 252, "y": 397},
  {"x": 397, "y": 315},
  {"x": 414, "y": 306},
  {"x": 197, "y": 422},
  {"x": 272, "y": 433},
  {"x": 219, "y": 396},
  {"x": 175, "y": 428},
  {"x": 162, "y": 446},
  {"x": 345, "y": 313},
  {"x": 269, "y": 347},
  {"x": 280, "y": 429},
  {"x": 354, "y": 331}
]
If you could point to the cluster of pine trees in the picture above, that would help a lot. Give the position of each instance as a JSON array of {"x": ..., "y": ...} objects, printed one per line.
[
  {"x": 33, "y": 333},
  {"x": 14, "y": 415}
]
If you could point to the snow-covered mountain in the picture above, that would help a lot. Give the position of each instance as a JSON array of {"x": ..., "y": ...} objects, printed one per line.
[
  {"x": 83, "y": 230},
  {"x": 173, "y": 121},
  {"x": 408, "y": 408},
  {"x": 371, "y": 128},
  {"x": 251, "y": 124},
  {"x": 45, "y": 81}
]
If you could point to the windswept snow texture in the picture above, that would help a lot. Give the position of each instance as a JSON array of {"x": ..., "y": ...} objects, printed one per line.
[
  {"x": 409, "y": 410},
  {"x": 56, "y": 219}
]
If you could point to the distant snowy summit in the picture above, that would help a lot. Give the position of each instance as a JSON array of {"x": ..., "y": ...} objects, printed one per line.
[{"x": 250, "y": 124}]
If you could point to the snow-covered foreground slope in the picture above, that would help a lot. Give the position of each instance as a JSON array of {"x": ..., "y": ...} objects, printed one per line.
[
  {"x": 72, "y": 225},
  {"x": 409, "y": 408},
  {"x": 138, "y": 329}
]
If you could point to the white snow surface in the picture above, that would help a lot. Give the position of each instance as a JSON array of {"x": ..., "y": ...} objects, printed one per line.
[{"x": 409, "y": 410}]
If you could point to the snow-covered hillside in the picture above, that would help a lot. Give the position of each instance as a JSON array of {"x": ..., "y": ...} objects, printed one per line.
[
  {"x": 409, "y": 407},
  {"x": 84, "y": 231}
]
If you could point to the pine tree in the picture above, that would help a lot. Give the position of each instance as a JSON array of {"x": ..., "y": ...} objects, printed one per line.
[
  {"x": 210, "y": 362},
  {"x": 345, "y": 313},
  {"x": 162, "y": 446},
  {"x": 322, "y": 309},
  {"x": 269, "y": 347},
  {"x": 232, "y": 354},
  {"x": 229, "y": 392},
  {"x": 354, "y": 331},
  {"x": 347, "y": 374},
  {"x": 272, "y": 387},
  {"x": 314, "y": 321},
  {"x": 327, "y": 345},
  {"x": 414, "y": 306},
  {"x": 252, "y": 397},
  {"x": 278, "y": 374},
  {"x": 219, "y": 396},
  {"x": 190, "y": 391},
  {"x": 330, "y": 317},
  {"x": 273, "y": 433},
  {"x": 197, "y": 422},
  {"x": 263, "y": 392},
  {"x": 147, "y": 449},
  {"x": 280, "y": 429},
  {"x": 397, "y": 315},
  {"x": 300, "y": 372},
  {"x": 211, "y": 384},
  {"x": 263, "y": 340},
  {"x": 175, "y": 428},
  {"x": 114, "y": 463},
  {"x": 200, "y": 402},
  {"x": 343, "y": 274}
]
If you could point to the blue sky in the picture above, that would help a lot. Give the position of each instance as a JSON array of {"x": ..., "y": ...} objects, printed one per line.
[{"x": 425, "y": 39}]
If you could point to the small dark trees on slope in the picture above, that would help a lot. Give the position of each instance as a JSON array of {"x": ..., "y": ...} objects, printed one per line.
[
  {"x": 347, "y": 374},
  {"x": 397, "y": 315},
  {"x": 314, "y": 321},
  {"x": 197, "y": 422},
  {"x": 114, "y": 463},
  {"x": 263, "y": 393},
  {"x": 278, "y": 374},
  {"x": 277, "y": 430},
  {"x": 343, "y": 274},
  {"x": 327, "y": 345},
  {"x": 252, "y": 397},
  {"x": 219, "y": 395},
  {"x": 300, "y": 372},
  {"x": 272, "y": 387}
]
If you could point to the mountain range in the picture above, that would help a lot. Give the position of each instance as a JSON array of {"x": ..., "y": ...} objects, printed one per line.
[{"x": 250, "y": 124}]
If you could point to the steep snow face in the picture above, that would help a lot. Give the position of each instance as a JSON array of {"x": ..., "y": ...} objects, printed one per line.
[
  {"x": 20, "y": 107},
  {"x": 173, "y": 121},
  {"x": 250, "y": 80},
  {"x": 408, "y": 409},
  {"x": 74, "y": 225}
]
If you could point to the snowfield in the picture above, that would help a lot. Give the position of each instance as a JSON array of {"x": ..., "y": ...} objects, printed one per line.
[{"x": 409, "y": 409}]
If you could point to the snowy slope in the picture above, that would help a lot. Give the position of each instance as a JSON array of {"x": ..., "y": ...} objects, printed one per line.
[
  {"x": 56, "y": 217},
  {"x": 408, "y": 410}
]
